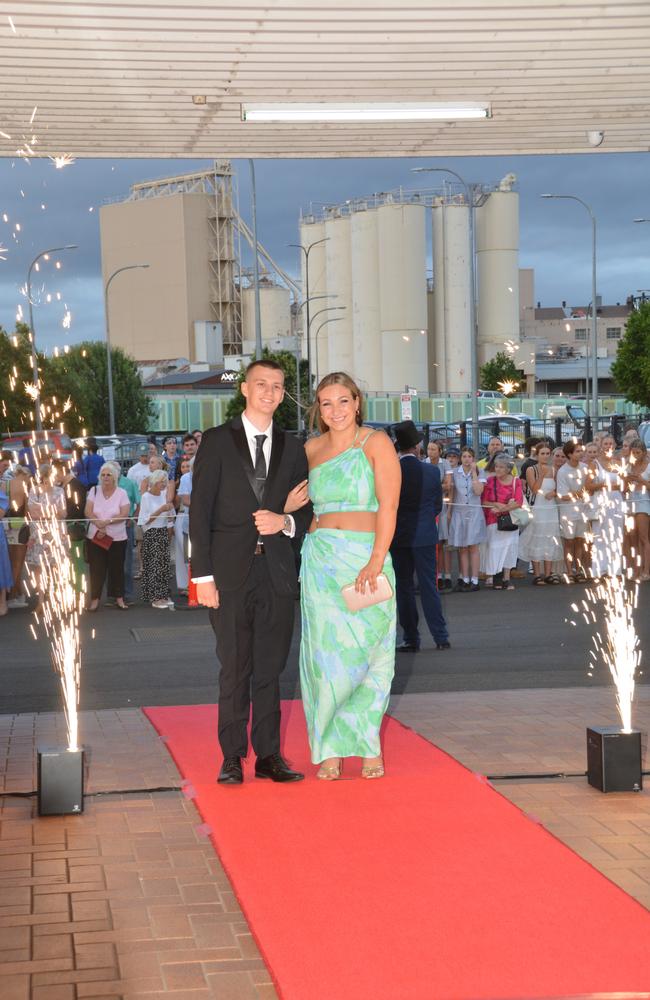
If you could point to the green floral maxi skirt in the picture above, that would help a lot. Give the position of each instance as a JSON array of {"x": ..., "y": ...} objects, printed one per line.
[{"x": 347, "y": 659}]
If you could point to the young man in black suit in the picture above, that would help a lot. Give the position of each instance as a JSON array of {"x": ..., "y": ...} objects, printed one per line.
[
  {"x": 413, "y": 548},
  {"x": 243, "y": 565}
]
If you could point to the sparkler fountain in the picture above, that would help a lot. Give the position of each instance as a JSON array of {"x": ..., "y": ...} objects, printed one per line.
[
  {"x": 615, "y": 754},
  {"x": 60, "y": 769}
]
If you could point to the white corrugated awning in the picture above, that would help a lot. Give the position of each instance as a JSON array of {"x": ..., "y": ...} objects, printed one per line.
[{"x": 117, "y": 78}]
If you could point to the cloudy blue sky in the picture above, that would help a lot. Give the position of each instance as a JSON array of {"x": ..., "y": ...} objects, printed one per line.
[{"x": 54, "y": 207}]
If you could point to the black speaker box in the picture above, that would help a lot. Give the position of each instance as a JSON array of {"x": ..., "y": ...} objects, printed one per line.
[
  {"x": 60, "y": 781},
  {"x": 614, "y": 759}
]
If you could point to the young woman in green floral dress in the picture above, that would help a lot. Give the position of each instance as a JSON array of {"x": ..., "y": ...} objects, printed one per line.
[{"x": 347, "y": 659}]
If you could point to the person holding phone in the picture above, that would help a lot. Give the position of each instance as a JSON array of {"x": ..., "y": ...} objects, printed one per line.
[{"x": 466, "y": 521}]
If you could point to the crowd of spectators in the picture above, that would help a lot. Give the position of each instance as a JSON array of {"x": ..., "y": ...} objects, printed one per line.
[
  {"x": 121, "y": 527},
  {"x": 573, "y": 514}
]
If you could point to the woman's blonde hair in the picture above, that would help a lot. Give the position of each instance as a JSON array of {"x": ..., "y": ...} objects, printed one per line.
[
  {"x": 159, "y": 476},
  {"x": 335, "y": 378},
  {"x": 112, "y": 469}
]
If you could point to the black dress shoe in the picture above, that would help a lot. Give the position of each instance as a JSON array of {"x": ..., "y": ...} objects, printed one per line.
[
  {"x": 231, "y": 772},
  {"x": 407, "y": 647},
  {"x": 275, "y": 768},
  {"x": 443, "y": 645}
]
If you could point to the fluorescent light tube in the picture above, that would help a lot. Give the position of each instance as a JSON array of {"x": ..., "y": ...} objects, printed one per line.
[{"x": 385, "y": 112}]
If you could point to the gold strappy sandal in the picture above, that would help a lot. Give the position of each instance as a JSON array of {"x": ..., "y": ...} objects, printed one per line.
[
  {"x": 373, "y": 770},
  {"x": 330, "y": 772}
]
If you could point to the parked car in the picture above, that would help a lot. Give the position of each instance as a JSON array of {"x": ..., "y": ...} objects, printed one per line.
[
  {"x": 46, "y": 444},
  {"x": 490, "y": 394},
  {"x": 511, "y": 430},
  {"x": 448, "y": 434}
]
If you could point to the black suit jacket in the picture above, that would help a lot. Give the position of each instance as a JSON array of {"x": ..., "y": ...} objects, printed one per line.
[
  {"x": 222, "y": 529},
  {"x": 420, "y": 502}
]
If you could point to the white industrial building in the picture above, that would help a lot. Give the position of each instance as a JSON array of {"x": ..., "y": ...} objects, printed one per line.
[
  {"x": 371, "y": 310},
  {"x": 373, "y": 313}
]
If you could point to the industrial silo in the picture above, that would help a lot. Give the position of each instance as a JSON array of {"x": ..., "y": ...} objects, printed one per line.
[
  {"x": 311, "y": 235},
  {"x": 275, "y": 314},
  {"x": 452, "y": 291},
  {"x": 403, "y": 296},
  {"x": 366, "y": 331},
  {"x": 339, "y": 304},
  {"x": 497, "y": 246}
]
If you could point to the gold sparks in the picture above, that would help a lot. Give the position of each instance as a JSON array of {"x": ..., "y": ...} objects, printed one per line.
[
  {"x": 62, "y": 160},
  {"x": 32, "y": 390},
  {"x": 3, "y": 251},
  {"x": 11, "y": 24},
  {"x": 507, "y": 387},
  {"x": 61, "y": 606},
  {"x": 66, "y": 322}
]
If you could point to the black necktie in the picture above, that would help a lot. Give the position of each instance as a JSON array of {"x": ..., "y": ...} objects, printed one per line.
[{"x": 260, "y": 467}]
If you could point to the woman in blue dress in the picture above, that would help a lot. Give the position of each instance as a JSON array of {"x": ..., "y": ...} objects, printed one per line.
[{"x": 6, "y": 577}]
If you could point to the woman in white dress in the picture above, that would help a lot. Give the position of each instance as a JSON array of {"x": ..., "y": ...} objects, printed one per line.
[
  {"x": 607, "y": 547},
  {"x": 637, "y": 485},
  {"x": 570, "y": 480},
  {"x": 502, "y": 494},
  {"x": 466, "y": 522},
  {"x": 539, "y": 542}
]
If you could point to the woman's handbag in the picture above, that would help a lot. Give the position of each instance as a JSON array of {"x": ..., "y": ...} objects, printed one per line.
[
  {"x": 521, "y": 515},
  {"x": 357, "y": 601},
  {"x": 505, "y": 521},
  {"x": 104, "y": 541}
]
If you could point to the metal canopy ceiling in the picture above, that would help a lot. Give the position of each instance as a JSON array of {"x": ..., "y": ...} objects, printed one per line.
[{"x": 117, "y": 78}]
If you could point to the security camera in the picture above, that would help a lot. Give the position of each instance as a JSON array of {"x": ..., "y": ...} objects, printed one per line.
[{"x": 595, "y": 137}]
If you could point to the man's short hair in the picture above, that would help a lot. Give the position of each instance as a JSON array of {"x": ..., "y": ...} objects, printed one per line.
[
  {"x": 189, "y": 437},
  {"x": 264, "y": 363},
  {"x": 6, "y": 456},
  {"x": 168, "y": 437}
]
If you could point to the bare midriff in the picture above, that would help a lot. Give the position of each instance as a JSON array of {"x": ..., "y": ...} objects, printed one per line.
[{"x": 348, "y": 520}]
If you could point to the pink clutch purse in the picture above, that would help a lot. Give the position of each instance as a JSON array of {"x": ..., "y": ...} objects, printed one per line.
[{"x": 356, "y": 601}]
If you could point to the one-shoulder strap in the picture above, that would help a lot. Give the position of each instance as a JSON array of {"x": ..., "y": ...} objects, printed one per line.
[{"x": 362, "y": 444}]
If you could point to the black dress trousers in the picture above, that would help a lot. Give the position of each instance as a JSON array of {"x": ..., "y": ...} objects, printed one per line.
[{"x": 254, "y": 627}]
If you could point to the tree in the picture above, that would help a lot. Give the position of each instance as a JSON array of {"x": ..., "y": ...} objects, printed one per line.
[
  {"x": 500, "y": 369},
  {"x": 285, "y": 415},
  {"x": 631, "y": 368},
  {"x": 81, "y": 374},
  {"x": 16, "y": 374}
]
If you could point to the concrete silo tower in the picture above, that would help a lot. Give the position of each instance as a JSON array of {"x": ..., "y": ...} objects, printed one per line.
[
  {"x": 497, "y": 255},
  {"x": 338, "y": 262},
  {"x": 366, "y": 328},
  {"x": 451, "y": 295},
  {"x": 402, "y": 295}
]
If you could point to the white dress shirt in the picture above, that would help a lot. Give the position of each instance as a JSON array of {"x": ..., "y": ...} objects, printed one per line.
[{"x": 251, "y": 433}]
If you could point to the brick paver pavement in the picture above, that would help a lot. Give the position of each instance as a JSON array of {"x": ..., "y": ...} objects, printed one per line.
[
  {"x": 125, "y": 901},
  {"x": 543, "y": 731},
  {"x": 129, "y": 900}
]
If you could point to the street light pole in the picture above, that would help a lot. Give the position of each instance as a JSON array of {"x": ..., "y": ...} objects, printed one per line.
[
  {"x": 109, "y": 360},
  {"x": 256, "y": 267},
  {"x": 332, "y": 319},
  {"x": 307, "y": 250},
  {"x": 325, "y": 309},
  {"x": 37, "y": 390},
  {"x": 473, "y": 346},
  {"x": 594, "y": 309}
]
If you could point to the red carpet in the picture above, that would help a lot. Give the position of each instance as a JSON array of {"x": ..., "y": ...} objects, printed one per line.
[{"x": 426, "y": 885}]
